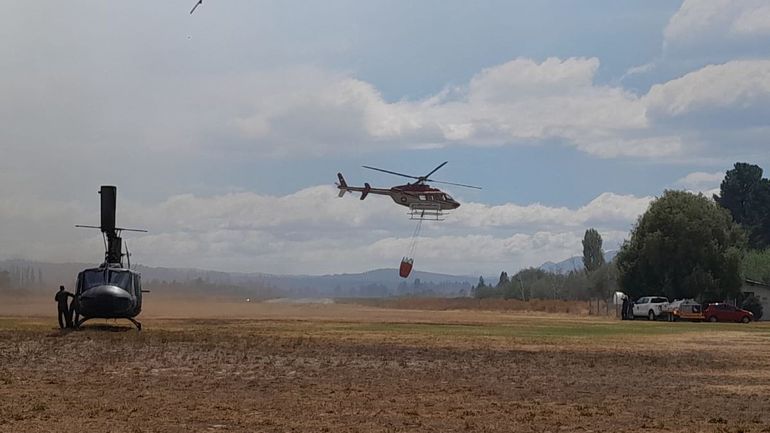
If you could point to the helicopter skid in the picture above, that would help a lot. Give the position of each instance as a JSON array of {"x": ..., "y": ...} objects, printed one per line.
[
  {"x": 82, "y": 320},
  {"x": 429, "y": 213}
]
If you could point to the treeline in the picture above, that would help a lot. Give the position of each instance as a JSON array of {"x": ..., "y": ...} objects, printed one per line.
[
  {"x": 381, "y": 290},
  {"x": 684, "y": 246},
  {"x": 598, "y": 279},
  {"x": 756, "y": 265},
  {"x": 21, "y": 277},
  {"x": 202, "y": 286},
  {"x": 536, "y": 283}
]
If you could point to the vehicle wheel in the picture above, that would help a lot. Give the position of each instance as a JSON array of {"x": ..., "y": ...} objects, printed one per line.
[
  {"x": 745, "y": 319},
  {"x": 713, "y": 319},
  {"x": 651, "y": 315}
]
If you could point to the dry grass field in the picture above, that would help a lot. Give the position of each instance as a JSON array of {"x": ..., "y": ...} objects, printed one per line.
[{"x": 218, "y": 365}]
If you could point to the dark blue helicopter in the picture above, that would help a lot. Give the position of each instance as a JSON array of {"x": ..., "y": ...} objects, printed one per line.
[{"x": 110, "y": 291}]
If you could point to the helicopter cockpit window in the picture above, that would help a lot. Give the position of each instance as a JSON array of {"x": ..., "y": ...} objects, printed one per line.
[
  {"x": 92, "y": 279},
  {"x": 95, "y": 278},
  {"x": 120, "y": 279},
  {"x": 447, "y": 196}
]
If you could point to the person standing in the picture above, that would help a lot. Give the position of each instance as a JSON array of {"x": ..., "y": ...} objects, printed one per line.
[{"x": 65, "y": 319}]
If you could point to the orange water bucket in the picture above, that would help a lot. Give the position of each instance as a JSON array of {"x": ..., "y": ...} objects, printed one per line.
[{"x": 406, "y": 267}]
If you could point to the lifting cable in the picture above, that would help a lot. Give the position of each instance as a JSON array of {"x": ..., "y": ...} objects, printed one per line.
[{"x": 415, "y": 236}]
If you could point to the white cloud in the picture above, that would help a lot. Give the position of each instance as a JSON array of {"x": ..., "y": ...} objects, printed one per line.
[
  {"x": 698, "y": 22},
  {"x": 518, "y": 102},
  {"x": 607, "y": 210},
  {"x": 736, "y": 85},
  {"x": 524, "y": 78},
  {"x": 696, "y": 17},
  {"x": 699, "y": 178},
  {"x": 753, "y": 21},
  {"x": 701, "y": 182},
  {"x": 312, "y": 111}
]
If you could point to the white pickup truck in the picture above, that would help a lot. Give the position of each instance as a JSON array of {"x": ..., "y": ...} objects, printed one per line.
[{"x": 650, "y": 307}]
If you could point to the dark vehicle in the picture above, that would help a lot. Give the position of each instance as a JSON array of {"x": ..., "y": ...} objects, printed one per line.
[
  {"x": 721, "y": 312},
  {"x": 110, "y": 291}
]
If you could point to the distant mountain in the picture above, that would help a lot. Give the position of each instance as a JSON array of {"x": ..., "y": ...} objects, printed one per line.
[
  {"x": 573, "y": 263},
  {"x": 374, "y": 283},
  {"x": 378, "y": 282}
]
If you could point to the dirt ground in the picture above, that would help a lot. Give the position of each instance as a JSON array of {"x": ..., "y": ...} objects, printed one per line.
[{"x": 219, "y": 365}]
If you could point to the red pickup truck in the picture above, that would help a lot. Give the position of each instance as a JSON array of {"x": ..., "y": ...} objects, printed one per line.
[{"x": 721, "y": 312}]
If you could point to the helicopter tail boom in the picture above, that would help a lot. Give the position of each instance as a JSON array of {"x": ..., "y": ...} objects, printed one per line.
[{"x": 364, "y": 190}]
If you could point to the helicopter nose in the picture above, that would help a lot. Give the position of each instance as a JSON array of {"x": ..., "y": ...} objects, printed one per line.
[{"x": 104, "y": 301}]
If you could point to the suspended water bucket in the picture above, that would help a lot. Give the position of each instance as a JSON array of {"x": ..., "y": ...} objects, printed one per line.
[{"x": 406, "y": 267}]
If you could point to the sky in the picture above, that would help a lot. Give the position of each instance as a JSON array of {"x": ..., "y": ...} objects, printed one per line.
[{"x": 224, "y": 130}]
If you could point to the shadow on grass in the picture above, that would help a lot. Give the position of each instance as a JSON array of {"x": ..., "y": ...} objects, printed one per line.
[
  {"x": 59, "y": 332},
  {"x": 104, "y": 327}
]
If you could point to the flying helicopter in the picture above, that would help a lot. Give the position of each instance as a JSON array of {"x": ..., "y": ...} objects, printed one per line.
[
  {"x": 109, "y": 291},
  {"x": 423, "y": 201}
]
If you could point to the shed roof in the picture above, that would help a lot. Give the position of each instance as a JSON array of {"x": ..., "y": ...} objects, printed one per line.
[{"x": 751, "y": 282}]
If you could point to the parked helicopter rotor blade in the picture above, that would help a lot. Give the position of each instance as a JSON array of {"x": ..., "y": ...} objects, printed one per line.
[
  {"x": 130, "y": 230},
  {"x": 434, "y": 170},
  {"x": 117, "y": 229},
  {"x": 452, "y": 183},
  {"x": 200, "y": 2},
  {"x": 391, "y": 172}
]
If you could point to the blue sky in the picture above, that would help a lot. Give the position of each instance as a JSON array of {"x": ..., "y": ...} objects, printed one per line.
[{"x": 224, "y": 130}]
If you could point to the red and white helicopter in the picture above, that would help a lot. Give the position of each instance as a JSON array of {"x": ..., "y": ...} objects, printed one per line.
[{"x": 423, "y": 201}]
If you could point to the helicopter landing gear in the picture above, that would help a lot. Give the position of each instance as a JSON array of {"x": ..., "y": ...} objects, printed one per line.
[
  {"x": 425, "y": 211},
  {"x": 82, "y": 320},
  {"x": 136, "y": 323}
]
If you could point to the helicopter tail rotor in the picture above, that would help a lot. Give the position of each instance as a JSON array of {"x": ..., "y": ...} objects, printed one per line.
[{"x": 341, "y": 185}]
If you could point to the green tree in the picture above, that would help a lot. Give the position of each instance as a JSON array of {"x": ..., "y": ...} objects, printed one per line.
[
  {"x": 684, "y": 246},
  {"x": 593, "y": 255},
  {"x": 504, "y": 280},
  {"x": 756, "y": 265},
  {"x": 753, "y": 304},
  {"x": 480, "y": 290},
  {"x": 747, "y": 196},
  {"x": 604, "y": 281}
]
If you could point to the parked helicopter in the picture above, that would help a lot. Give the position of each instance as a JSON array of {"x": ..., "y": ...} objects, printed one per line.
[
  {"x": 110, "y": 291},
  {"x": 423, "y": 201}
]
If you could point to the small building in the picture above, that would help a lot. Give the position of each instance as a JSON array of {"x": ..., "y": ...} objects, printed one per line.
[{"x": 762, "y": 292}]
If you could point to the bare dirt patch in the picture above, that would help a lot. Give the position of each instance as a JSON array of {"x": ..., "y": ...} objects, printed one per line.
[{"x": 349, "y": 368}]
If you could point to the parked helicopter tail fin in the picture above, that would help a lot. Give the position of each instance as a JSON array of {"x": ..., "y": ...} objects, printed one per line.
[
  {"x": 366, "y": 190},
  {"x": 342, "y": 185}
]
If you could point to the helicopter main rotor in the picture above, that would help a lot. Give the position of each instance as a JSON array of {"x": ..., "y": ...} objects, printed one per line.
[{"x": 422, "y": 179}]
